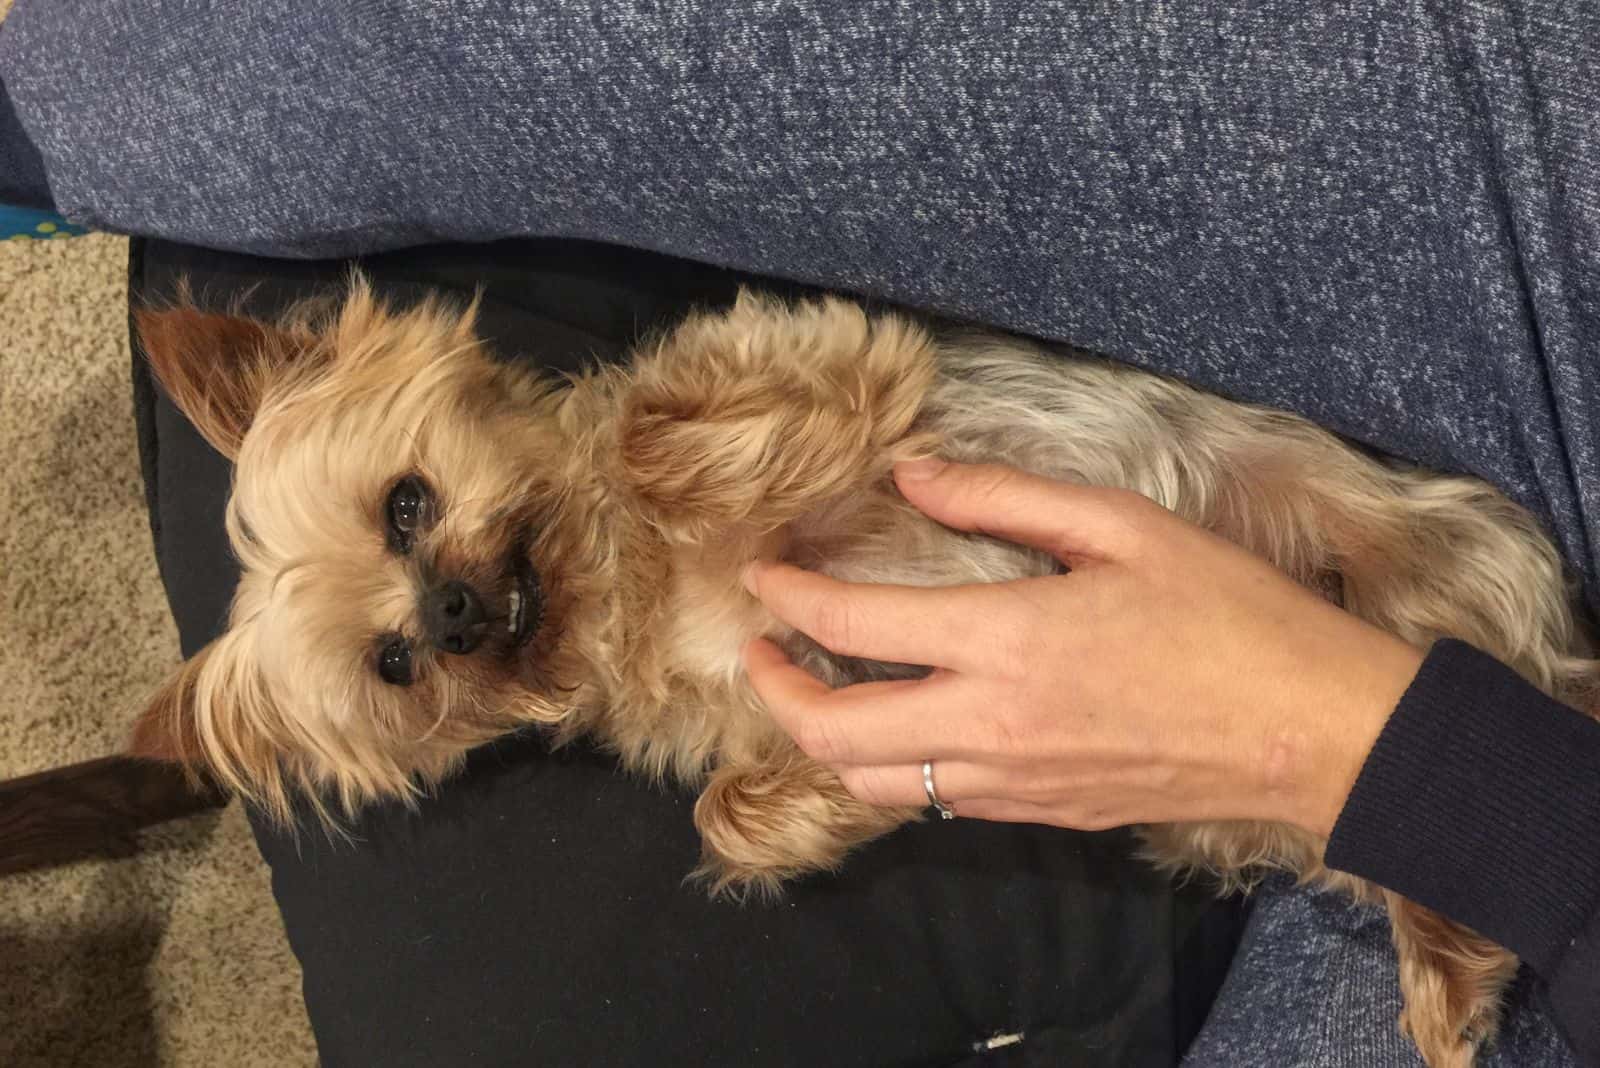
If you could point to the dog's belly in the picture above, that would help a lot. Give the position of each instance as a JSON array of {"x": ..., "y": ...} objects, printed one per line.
[{"x": 999, "y": 401}]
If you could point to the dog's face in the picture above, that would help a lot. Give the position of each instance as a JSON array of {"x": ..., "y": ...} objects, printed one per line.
[{"x": 398, "y": 513}]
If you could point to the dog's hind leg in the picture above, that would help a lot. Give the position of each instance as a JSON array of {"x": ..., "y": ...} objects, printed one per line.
[
  {"x": 1452, "y": 979},
  {"x": 1426, "y": 556},
  {"x": 742, "y": 421}
]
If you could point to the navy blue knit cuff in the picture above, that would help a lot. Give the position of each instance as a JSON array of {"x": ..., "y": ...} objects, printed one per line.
[
  {"x": 1481, "y": 800},
  {"x": 1574, "y": 991},
  {"x": 22, "y": 176}
]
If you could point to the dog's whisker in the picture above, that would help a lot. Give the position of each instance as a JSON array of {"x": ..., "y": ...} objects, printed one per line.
[{"x": 444, "y": 714}]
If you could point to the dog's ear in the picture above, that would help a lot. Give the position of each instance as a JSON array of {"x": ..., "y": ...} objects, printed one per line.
[
  {"x": 211, "y": 717},
  {"x": 168, "y": 729},
  {"x": 214, "y": 367}
]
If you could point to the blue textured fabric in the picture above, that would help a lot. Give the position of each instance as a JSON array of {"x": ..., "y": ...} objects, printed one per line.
[
  {"x": 1315, "y": 984},
  {"x": 1384, "y": 215}
]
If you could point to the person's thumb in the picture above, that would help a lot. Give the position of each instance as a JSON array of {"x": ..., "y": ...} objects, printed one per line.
[{"x": 1069, "y": 521}]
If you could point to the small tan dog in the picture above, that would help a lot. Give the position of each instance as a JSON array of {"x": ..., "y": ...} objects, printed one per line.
[{"x": 438, "y": 548}]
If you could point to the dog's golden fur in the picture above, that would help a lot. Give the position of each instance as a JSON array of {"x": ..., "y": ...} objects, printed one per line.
[{"x": 638, "y": 493}]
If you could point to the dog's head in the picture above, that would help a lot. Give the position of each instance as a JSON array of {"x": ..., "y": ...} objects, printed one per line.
[{"x": 407, "y": 578}]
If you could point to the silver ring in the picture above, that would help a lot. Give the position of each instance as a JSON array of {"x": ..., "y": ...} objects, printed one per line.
[{"x": 945, "y": 811}]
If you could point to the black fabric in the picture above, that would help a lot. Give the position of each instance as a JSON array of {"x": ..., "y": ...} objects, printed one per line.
[
  {"x": 22, "y": 177},
  {"x": 535, "y": 911},
  {"x": 1480, "y": 800}
]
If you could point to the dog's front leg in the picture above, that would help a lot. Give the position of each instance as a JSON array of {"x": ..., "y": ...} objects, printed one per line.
[
  {"x": 740, "y": 422},
  {"x": 762, "y": 824}
]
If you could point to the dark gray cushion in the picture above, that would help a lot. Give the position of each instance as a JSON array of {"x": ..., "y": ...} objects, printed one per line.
[{"x": 535, "y": 912}]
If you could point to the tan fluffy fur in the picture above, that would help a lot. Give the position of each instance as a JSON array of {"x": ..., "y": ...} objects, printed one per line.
[{"x": 638, "y": 493}]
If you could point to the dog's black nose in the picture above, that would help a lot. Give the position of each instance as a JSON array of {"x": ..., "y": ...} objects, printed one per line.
[{"x": 454, "y": 617}]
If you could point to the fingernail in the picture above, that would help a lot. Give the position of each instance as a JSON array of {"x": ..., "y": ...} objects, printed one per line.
[
  {"x": 748, "y": 576},
  {"x": 919, "y": 470}
]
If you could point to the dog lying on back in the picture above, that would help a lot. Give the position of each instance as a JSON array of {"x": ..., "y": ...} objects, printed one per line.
[{"x": 438, "y": 548}]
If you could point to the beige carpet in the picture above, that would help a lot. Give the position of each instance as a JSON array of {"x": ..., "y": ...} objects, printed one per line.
[{"x": 175, "y": 957}]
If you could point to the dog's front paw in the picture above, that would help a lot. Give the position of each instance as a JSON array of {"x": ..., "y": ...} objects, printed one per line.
[{"x": 762, "y": 825}]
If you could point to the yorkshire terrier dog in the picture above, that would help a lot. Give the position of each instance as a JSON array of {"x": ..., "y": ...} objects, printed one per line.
[{"x": 439, "y": 548}]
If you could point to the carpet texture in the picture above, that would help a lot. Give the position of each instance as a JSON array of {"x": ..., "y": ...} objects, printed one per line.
[{"x": 177, "y": 956}]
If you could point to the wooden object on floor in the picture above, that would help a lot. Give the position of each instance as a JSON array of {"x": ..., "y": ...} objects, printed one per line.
[{"x": 93, "y": 809}]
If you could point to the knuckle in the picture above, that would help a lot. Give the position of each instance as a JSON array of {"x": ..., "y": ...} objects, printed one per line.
[
  {"x": 1097, "y": 819},
  {"x": 1036, "y": 790},
  {"x": 834, "y": 621},
  {"x": 820, "y": 738},
  {"x": 1004, "y": 730},
  {"x": 1072, "y": 816},
  {"x": 1017, "y": 625},
  {"x": 1026, "y": 651},
  {"x": 1137, "y": 516},
  {"x": 1017, "y": 650},
  {"x": 867, "y": 785},
  {"x": 1085, "y": 813}
]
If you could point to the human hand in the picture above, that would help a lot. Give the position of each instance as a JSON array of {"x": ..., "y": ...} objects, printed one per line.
[{"x": 1169, "y": 676}]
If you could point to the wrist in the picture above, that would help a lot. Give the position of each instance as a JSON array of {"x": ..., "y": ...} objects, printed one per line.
[{"x": 1369, "y": 672}]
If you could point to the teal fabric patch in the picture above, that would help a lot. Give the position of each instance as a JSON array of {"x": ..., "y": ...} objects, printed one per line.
[{"x": 21, "y": 224}]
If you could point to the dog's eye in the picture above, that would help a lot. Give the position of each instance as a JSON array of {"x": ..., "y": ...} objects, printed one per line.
[
  {"x": 394, "y": 662},
  {"x": 407, "y": 511}
]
